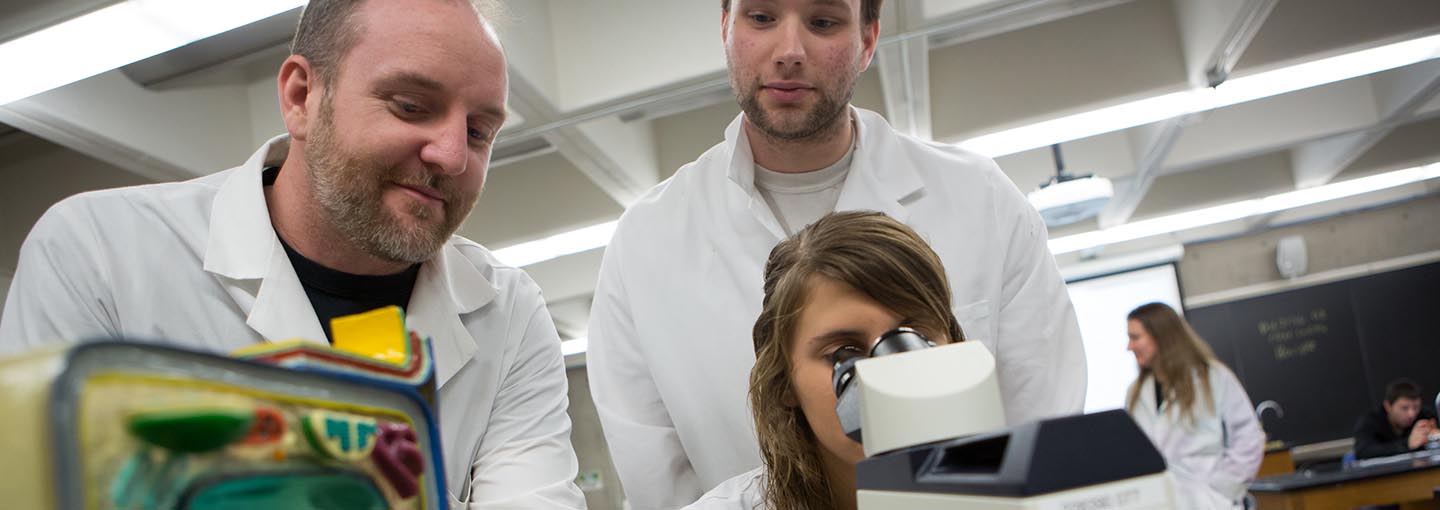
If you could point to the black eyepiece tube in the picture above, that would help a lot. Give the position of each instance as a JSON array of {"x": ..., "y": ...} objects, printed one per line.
[{"x": 899, "y": 340}]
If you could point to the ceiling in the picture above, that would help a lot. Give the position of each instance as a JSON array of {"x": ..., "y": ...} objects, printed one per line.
[
  {"x": 605, "y": 112},
  {"x": 18, "y": 18}
]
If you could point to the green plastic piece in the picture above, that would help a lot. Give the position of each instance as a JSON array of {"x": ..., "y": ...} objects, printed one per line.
[
  {"x": 191, "y": 431},
  {"x": 289, "y": 491},
  {"x": 339, "y": 436}
]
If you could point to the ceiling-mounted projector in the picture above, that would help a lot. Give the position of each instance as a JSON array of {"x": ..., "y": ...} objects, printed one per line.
[{"x": 1067, "y": 198}]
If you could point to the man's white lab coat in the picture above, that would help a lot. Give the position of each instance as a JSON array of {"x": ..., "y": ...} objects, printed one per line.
[
  {"x": 670, "y": 346},
  {"x": 198, "y": 263},
  {"x": 1214, "y": 458}
]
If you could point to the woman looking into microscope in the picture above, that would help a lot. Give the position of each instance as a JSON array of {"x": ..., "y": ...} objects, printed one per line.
[{"x": 830, "y": 291}]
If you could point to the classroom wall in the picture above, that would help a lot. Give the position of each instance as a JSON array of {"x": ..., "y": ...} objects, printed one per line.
[
  {"x": 4, "y": 289},
  {"x": 1347, "y": 240},
  {"x": 38, "y": 174},
  {"x": 1363, "y": 343},
  {"x": 590, "y": 446}
]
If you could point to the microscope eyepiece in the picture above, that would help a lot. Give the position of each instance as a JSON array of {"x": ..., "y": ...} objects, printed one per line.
[
  {"x": 844, "y": 373},
  {"x": 847, "y": 406},
  {"x": 899, "y": 340}
]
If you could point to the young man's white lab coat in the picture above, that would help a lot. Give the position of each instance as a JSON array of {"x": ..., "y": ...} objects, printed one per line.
[
  {"x": 199, "y": 264},
  {"x": 670, "y": 345},
  {"x": 1213, "y": 458}
]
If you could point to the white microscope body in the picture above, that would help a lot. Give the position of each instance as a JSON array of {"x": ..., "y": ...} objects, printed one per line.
[{"x": 933, "y": 429}]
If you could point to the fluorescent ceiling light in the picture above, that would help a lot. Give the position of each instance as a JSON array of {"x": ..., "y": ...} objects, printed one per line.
[
  {"x": 1323, "y": 71},
  {"x": 573, "y": 346},
  {"x": 1235, "y": 91},
  {"x": 1242, "y": 209},
  {"x": 119, "y": 35},
  {"x": 558, "y": 245},
  {"x": 1083, "y": 125}
]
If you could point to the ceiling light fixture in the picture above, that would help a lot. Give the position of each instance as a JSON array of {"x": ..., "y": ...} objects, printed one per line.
[
  {"x": 118, "y": 35},
  {"x": 558, "y": 245},
  {"x": 1178, "y": 222},
  {"x": 1235, "y": 91},
  {"x": 573, "y": 346}
]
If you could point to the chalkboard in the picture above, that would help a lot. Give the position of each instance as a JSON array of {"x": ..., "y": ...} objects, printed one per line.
[{"x": 1325, "y": 353}]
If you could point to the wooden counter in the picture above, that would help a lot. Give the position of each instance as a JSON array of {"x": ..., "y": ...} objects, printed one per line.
[{"x": 1410, "y": 478}]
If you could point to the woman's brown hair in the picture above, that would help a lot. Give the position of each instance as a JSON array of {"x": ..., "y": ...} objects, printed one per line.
[
  {"x": 1181, "y": 359},
  {"x": 877, "y": 256}
]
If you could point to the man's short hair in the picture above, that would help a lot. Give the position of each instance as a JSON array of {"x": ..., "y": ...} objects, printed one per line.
[
  {"x": 328, "y": 30},
  {"x": 1401, "y": 388},
  {"x": 869, "y": 9}
]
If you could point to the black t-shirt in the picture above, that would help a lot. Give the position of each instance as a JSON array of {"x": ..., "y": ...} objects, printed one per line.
[
  {"x": 1374, "y": 437},
  {"x": 336, "y": 293}
]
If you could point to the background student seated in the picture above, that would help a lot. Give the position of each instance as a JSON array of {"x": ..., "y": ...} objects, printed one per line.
[{"x": 1399, "y": 425}]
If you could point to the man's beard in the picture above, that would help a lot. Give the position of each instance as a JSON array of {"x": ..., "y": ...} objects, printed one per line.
[
  {"x": 820, "y": 120},
  {"x": 350, "y": 187}
]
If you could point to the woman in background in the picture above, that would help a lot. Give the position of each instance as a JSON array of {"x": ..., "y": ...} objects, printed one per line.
[
  {"x": 1194, "y": 410},
  {"x": 830, "y": 291}
]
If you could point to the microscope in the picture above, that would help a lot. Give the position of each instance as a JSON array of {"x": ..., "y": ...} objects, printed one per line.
[{"x": 933, "y": 429}]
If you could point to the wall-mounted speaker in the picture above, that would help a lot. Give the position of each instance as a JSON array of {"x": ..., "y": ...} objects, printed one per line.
[{"x": 1290, "y": 256}]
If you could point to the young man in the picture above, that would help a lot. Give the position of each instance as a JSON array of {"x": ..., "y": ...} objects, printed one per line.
[
  {"x": 1400, "y": 425},
  {"x": 391, "y": 107},
  {"x": 680, "y": 287}
]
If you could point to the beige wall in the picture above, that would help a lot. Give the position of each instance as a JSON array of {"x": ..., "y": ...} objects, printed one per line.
[
  {"x": 38, "y": 174},
  {"x": 1343, "y": 241},
  {"x": 4, "y": 289},
  {"x": 590, "y": 445}
]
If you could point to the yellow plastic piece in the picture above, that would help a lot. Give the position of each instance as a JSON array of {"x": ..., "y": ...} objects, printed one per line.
[
  {"x": 266, "y": 347},
  {"x": 377, "y": 334},
  {"x": 25, "y": 397}
]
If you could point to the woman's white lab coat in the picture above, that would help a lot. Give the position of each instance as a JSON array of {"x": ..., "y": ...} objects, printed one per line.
[
  {"x": 1215, "y": 457},
  {"x": 198, "y": 263},
  {"x": 680, "y": 287},
  {"x": 743, "y": 492}
]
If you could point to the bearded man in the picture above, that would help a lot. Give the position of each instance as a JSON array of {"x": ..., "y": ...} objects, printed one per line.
[
  {"x": 670, "y": 345},
  {"x": 391, "y": 107}
]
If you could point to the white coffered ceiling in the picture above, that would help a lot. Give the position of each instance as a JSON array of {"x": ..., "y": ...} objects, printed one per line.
[{"x": 614, "y": 96}]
